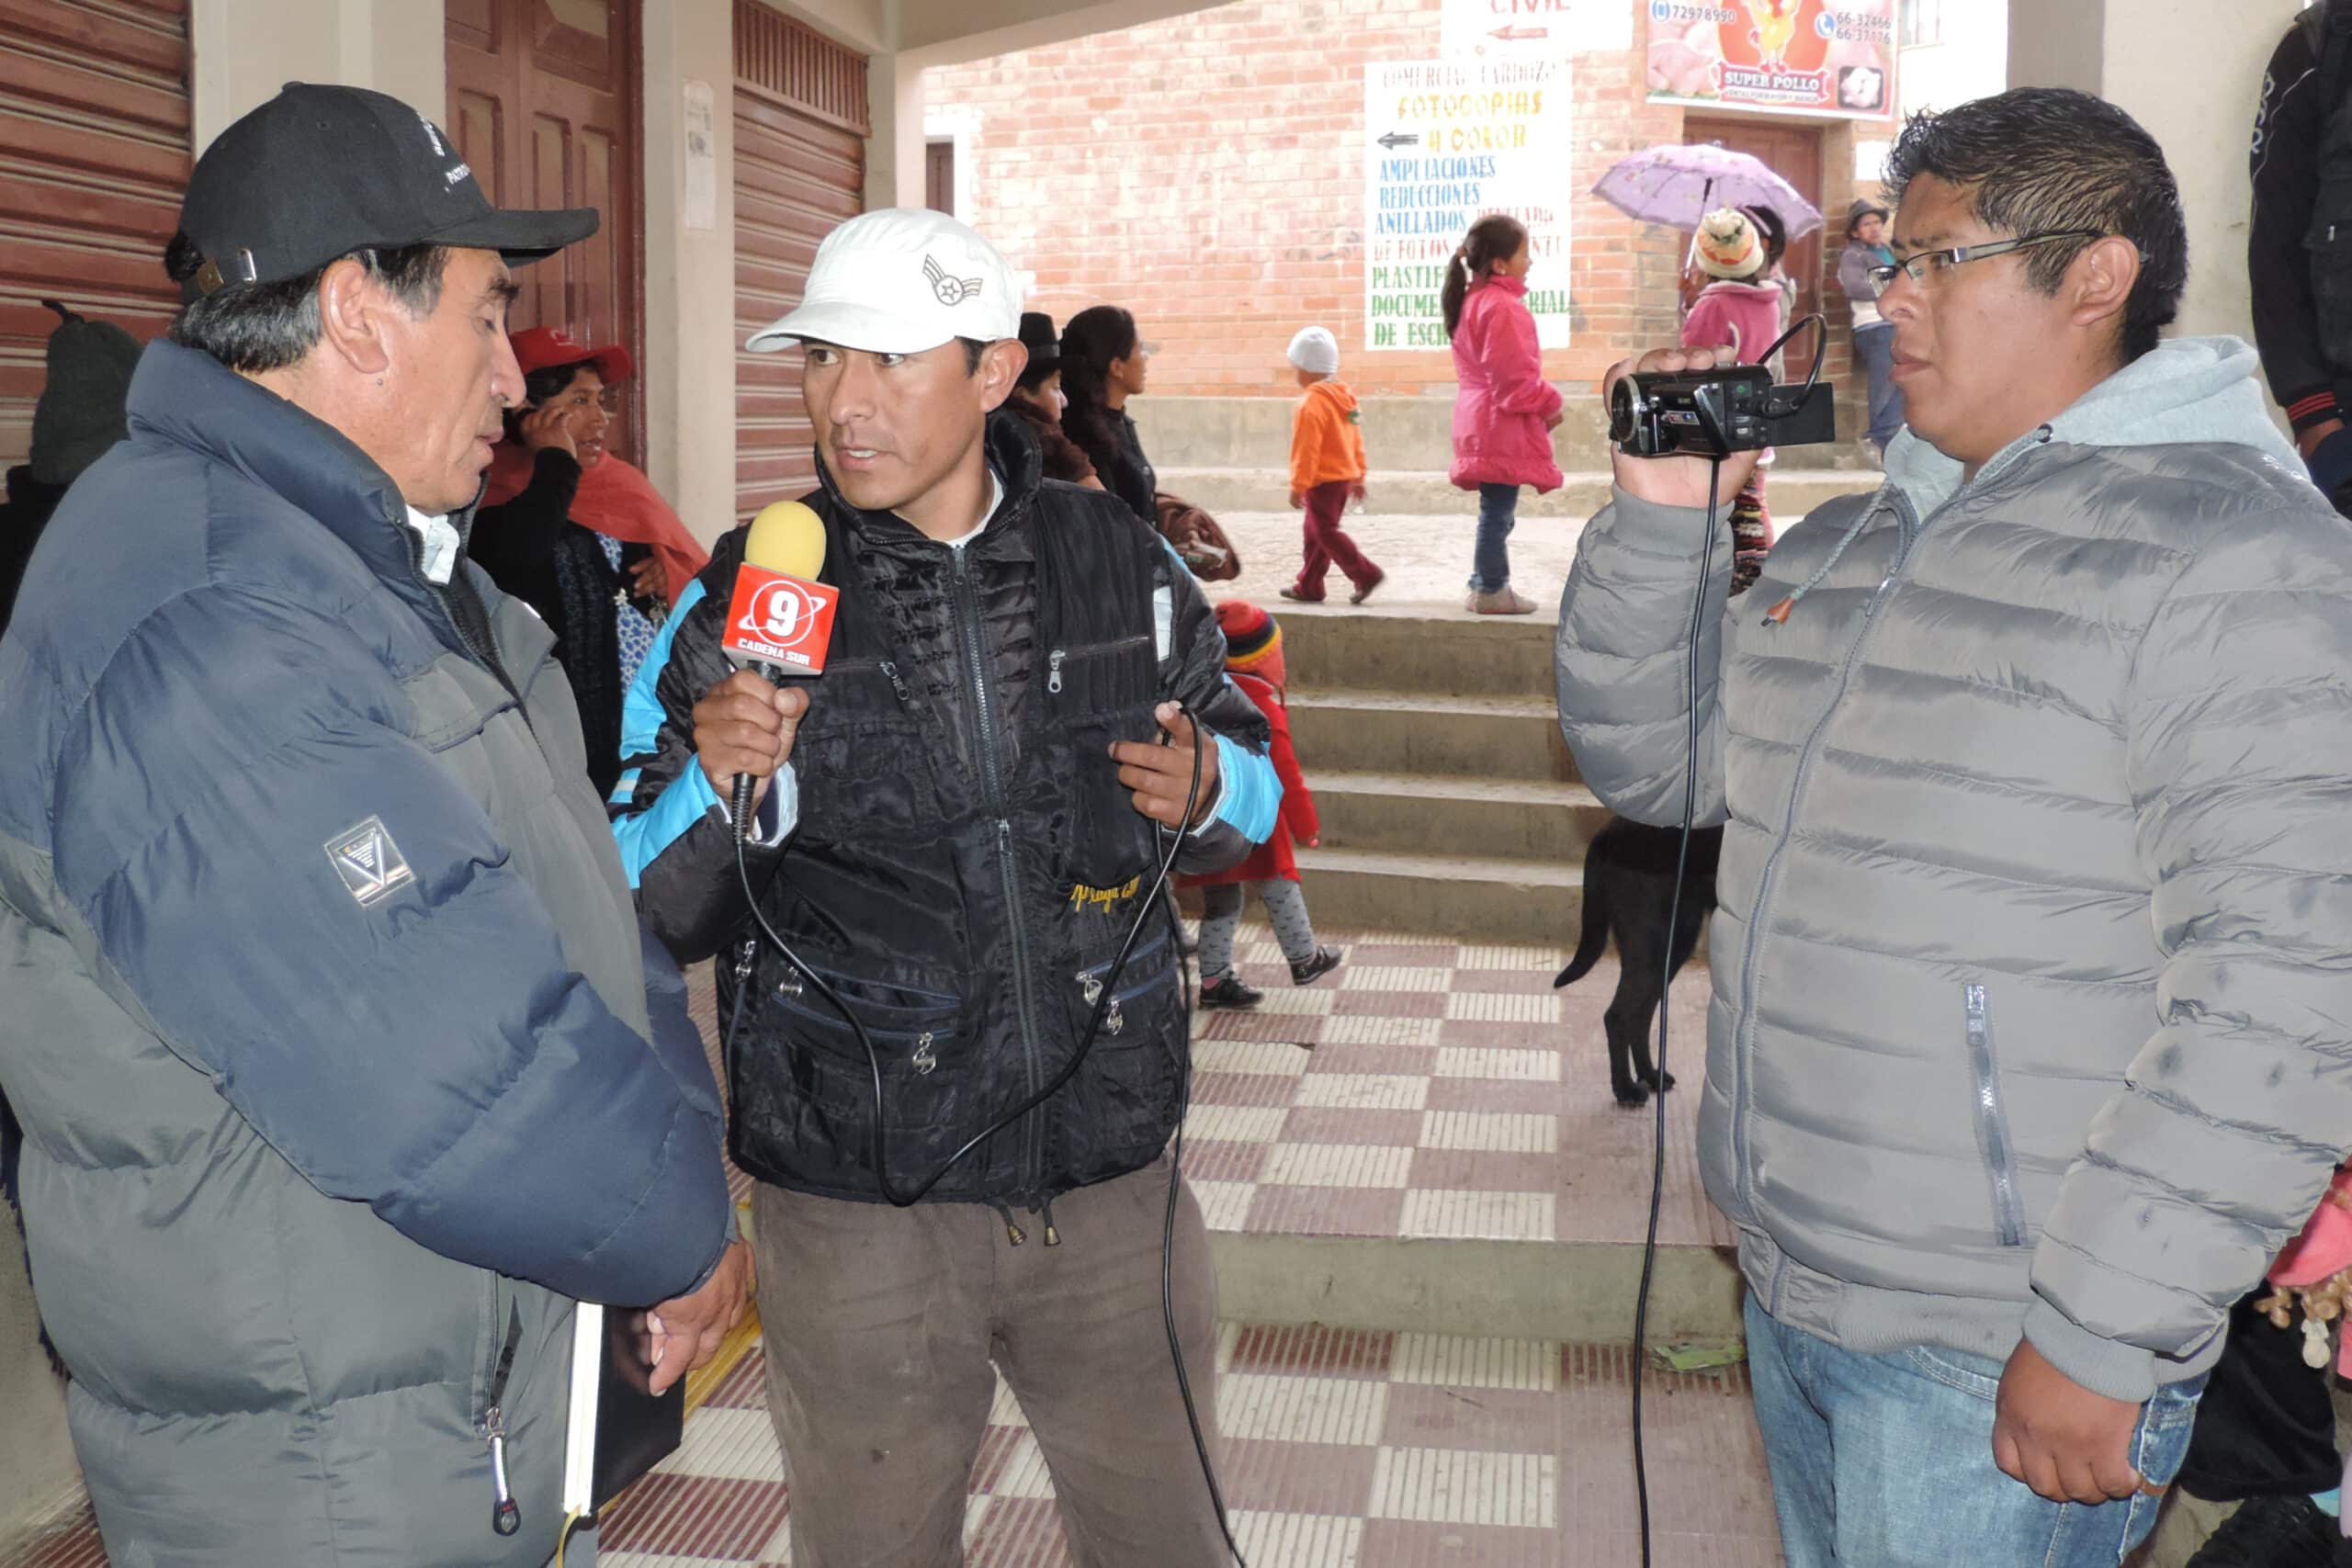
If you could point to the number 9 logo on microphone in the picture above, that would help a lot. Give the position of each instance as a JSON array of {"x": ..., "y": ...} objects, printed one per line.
[
  {"x": 780, "y": 614},
  {"x": 780, "y": 621}
]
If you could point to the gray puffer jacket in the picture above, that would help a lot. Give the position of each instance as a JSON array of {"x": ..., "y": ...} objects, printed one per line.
[{"x": 2032, "y": 1005}]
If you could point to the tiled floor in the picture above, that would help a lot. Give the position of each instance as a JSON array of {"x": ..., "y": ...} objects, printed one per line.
[
  {"x": 1435, "y": 1088},
  {"x": 1426, "y": 1089},
  {"x": 1341, "y": 1449}
]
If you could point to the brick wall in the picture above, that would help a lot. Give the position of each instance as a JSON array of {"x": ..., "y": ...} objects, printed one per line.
[{"x": 1207, "y": 173}]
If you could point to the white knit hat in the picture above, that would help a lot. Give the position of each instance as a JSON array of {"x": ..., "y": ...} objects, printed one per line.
[
  {"x": 1728, "y": 245},
  {"x": 900, "y": 280},
  {"x": 1315, "y": 350}
]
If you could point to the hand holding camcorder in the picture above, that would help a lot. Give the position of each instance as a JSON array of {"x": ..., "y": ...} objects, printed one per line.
[
  {"x": 1706, "y": 409},
  {"x": 1715, "y": 415}
]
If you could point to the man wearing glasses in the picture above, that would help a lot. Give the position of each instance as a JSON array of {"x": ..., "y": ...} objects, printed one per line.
[{"x": 2032, "y": 1036}]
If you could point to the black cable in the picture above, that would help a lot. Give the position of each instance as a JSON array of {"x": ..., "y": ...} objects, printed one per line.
[
  {"x": 1665, "y": 999},
  {"x": 1168, "y": 1253},
  {"x": 831, "y": 998},
  {"x": 1152, "y": 900}
]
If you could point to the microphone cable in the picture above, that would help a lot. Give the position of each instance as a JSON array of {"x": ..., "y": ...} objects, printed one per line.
[
  {"x": 1152, "y": 898},
  {"x": 1665, "y": 1000}
]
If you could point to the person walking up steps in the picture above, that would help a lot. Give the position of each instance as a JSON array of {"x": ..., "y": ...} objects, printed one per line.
[
  {"x": 1326, "y": 470},
  {"x": 1253, "y": 661},
  {"x": 1505, "y": 413}
]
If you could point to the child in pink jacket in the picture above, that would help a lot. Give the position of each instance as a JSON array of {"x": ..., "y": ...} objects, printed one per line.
[
  {"x": 1505, "y": 411},
  {"x": 1739, "y": 312}
]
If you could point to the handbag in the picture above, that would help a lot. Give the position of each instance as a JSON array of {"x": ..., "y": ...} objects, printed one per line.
[{"x": 1198, "y": 540}]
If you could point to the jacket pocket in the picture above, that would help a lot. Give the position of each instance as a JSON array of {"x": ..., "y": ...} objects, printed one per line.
[
  {"x": 1991, "y": 1121},
  {"x": 1095, "y": 696}
]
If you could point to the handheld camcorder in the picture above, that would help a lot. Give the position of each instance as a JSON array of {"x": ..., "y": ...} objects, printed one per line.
[{"x": 1708, "y": 413}]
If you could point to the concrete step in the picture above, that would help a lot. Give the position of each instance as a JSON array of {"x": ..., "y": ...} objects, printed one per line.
[
  {"x": 1504, "y": 1290},
  {"x": 1791, "y": 492},
  {"x": 1375, "y": 649},
  {"x": 1473, "y": 818},
  {"x": 1406, "y": 732},
  {"x": 1463, "y": 897}
]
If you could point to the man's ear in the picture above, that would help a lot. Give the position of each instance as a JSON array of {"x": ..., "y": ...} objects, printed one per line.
[
  {"x": 352, "y": 317},
  {"x": 2100, "y": 280},
  {"x": 1002, "y": 364}
]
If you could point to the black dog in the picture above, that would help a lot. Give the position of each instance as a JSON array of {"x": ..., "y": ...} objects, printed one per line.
[{"x": 1628, "y": 892}]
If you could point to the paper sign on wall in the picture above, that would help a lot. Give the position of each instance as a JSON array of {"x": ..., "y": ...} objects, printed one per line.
[{"x": 1445, "y": 143}]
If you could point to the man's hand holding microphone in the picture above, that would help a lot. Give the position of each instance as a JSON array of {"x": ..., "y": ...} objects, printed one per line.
[{"x": 744, "y": 726}]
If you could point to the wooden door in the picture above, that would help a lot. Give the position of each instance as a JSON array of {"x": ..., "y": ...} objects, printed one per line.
[
  {"x": 543, "y": 104},
  {"x": 93, "y": 156},
  {"x": 1793, "y": 151}
]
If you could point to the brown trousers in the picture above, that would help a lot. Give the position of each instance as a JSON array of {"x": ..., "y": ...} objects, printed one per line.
[{"x": 881, "y": 1323}]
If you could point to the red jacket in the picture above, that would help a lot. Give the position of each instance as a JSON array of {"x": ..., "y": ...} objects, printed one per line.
[
  {"x": 1499, "y": 436},
  {"x": 1274, "y": 858}
]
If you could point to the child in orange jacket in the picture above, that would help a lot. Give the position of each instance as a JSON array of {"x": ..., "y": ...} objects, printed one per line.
[
  {"x": 1326, "y": 470},
  {"x": 1253, "y": 660}
]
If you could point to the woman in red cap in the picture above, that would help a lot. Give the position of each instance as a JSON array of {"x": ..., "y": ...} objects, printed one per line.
[
  {"x": 579, "y": 535},
  {"x": 1253, "y": 660}
]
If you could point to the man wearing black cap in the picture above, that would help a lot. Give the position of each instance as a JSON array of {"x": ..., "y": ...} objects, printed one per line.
[{"x": 328, "y": 1017}]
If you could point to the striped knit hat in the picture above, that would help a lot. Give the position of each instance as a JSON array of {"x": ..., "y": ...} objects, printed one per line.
[{"x": 1253, "y": 643}]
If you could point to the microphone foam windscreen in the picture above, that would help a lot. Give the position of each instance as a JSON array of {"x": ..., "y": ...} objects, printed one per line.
[{"x": 786, "y": 537}]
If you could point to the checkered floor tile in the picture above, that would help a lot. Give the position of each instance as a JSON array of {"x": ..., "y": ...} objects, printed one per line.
[
  {"x": 1430, "y": 1089},
  {"x": 1338, "y": 1450}
]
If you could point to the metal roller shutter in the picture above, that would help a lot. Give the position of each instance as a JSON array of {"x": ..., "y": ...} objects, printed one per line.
[
  {"x": 94, "y": 149},
  {"x": 800, "y": 129}
]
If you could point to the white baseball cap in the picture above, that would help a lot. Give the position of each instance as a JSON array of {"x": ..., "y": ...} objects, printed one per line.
[
  {"x": 900, "y": 280},
  {"x": 1315, "y": 350}
]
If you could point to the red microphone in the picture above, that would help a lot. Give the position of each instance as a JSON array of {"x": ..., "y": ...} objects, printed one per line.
[{"x": 781, "y": 619}]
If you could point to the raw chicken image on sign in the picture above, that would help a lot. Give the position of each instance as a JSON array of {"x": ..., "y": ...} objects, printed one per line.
[{"x": 1812, "y": 57}]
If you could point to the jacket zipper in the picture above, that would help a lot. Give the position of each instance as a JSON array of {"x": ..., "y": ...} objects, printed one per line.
[
  {"x": 506, "y": 1516},
  {"x": 1992, "y": 1122},
  {"x": 967, "y": 612},
  {"x": 1743, "y": 1111},
  {"x": 1742, "y": 1107}
]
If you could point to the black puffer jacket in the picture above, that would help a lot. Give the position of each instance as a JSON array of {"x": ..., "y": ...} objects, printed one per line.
[{"x": 966, "y": 861}]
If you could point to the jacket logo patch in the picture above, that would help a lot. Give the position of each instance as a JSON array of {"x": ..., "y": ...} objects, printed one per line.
[
  {"x": 951, "y": 291},
  {"x": 1082, "y": 897},
  {"x": 368, "y": 862}
]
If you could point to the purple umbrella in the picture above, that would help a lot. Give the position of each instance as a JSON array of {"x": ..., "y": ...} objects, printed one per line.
[{"x": 1678, "y": 184}]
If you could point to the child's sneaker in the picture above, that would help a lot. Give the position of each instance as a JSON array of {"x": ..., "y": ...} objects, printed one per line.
[
  {"x": 1229, "y": 992},
  {"x": 1325, "y": 959}
]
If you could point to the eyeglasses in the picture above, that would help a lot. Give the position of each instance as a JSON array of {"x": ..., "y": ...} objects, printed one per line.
[{"x": 1926, "y": 266}]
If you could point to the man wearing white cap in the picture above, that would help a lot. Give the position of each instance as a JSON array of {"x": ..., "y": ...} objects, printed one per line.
[{"x": 969, "y": 810}]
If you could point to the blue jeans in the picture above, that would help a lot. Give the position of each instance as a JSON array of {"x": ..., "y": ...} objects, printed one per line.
[
  {"x": 1875, "y": 346},
  {"x": 1497, "y": 510},
  {"x": 1886, "y": 1461}
]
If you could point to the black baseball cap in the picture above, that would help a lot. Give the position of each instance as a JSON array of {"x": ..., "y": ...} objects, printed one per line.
[{"x": 320, "y": 171}]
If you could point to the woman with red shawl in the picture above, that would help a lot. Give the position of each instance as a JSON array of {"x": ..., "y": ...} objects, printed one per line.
[{"x": 579, "y": 535}]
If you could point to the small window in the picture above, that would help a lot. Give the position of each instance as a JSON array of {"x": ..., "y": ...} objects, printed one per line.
[{"x": 1923, "y": 22}]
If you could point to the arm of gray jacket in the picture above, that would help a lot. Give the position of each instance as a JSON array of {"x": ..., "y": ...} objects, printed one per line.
[
  {"x": 2224, "y": 1132},
  {"x": 1621, "y": 658},
  {"x": 1853, "y": 274}
]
